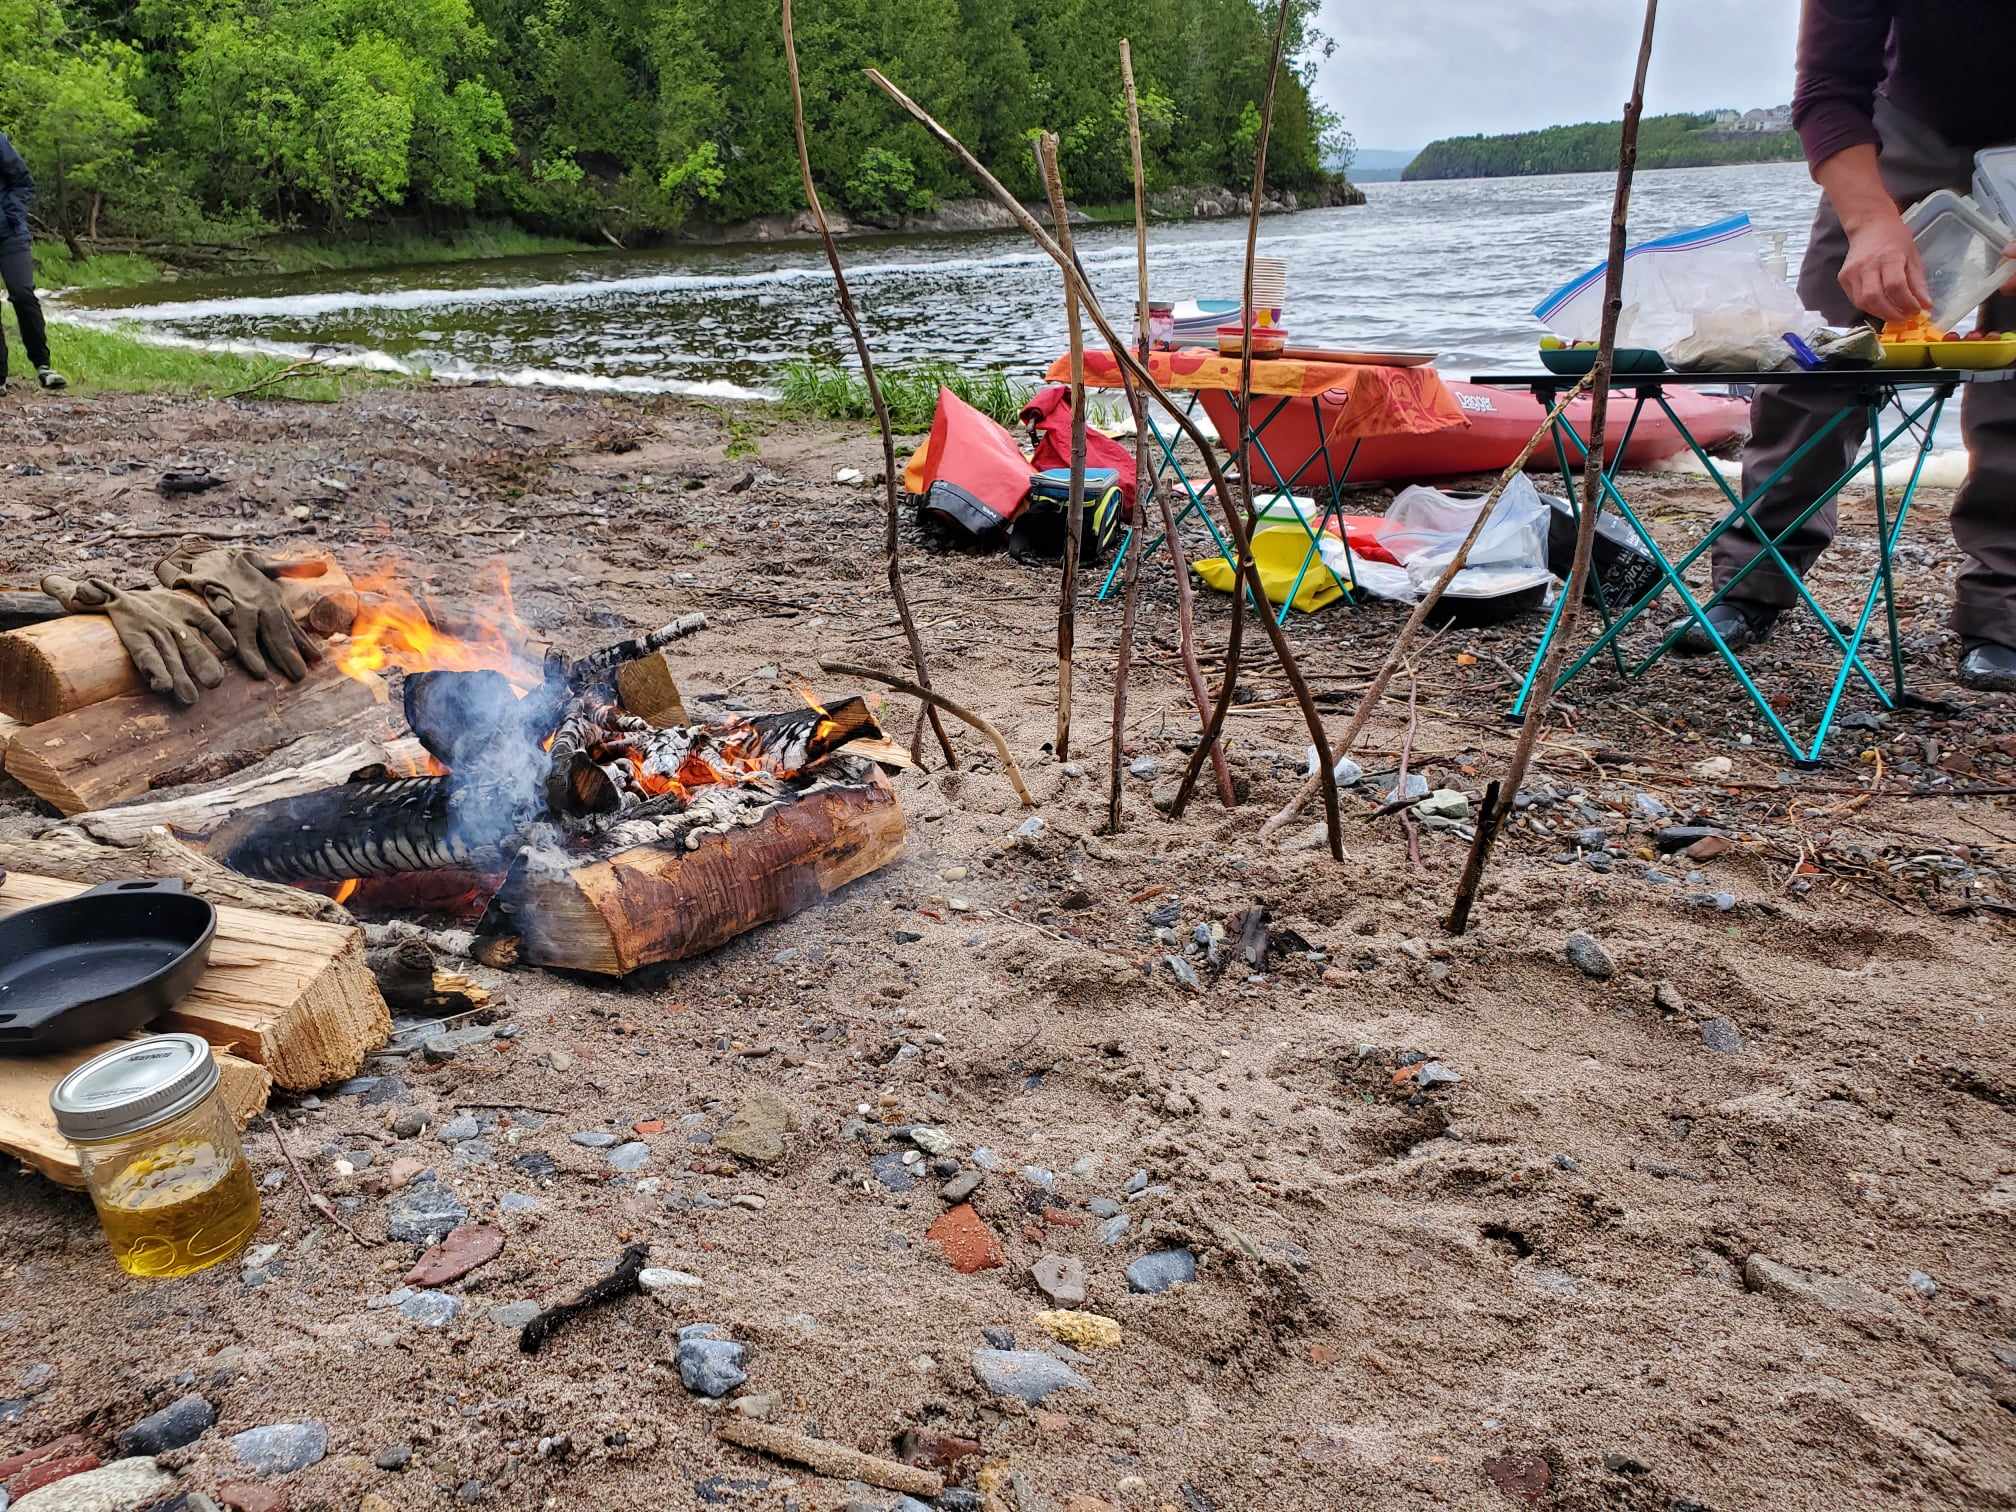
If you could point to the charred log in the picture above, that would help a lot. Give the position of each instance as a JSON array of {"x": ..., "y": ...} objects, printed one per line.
[{"x": 373, "y": 829}]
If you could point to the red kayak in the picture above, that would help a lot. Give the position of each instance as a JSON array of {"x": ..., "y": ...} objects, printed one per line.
[{"x": 1501, "y": 422}]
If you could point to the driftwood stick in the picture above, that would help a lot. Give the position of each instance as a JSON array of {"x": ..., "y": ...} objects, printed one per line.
[
  {"x": 1130, "y": 590},
  {"x": 1067, "y": 603},
  {"x": 1593, "y": 473},
  {"x": 846, "y": 301},
  {"x": 316, "y": 1200},
  {"x": 1376, "y": 690},
  {"x": 1242, "y": 403},
  {"x": 938, "y": 700},
  {"x": 619, "y": 1283},
  {"x": 499, "y": 951},
  {"x": 825, "y": 1457},
  {"x": 1234, "y": 523},
  {"x": 1473, "y": 864}
]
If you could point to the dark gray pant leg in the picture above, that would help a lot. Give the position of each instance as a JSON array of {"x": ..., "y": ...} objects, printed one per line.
[
  {"x": 1915, "y": 161},
  {"x": 1984, "y": 511},
  {"x": 17, "y": 271}
]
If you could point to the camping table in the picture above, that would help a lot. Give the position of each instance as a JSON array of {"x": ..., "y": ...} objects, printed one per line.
[
  {"x": 1919, "y": 395},
  {"x": 1377, "y": 401}
]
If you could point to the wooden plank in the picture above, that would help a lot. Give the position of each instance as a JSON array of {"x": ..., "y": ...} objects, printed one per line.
[
  {"x": 647, "y": 688},
  {"x": 122, "y": 747},
  {"x": 74, "y": 662},
  {"x": 292, "y": 994},
  {"x": 9, "y": 728},
  {"x": 28, "y": 1129},
  {"x": 198, "y": 813}
]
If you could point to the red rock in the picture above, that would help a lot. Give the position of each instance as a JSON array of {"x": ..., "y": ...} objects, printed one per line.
[
  {"x": 1709, "y": 847},
  {"x": 1523, "y": 1477},
  {"x": 966, "y": 1240},
  {"x": 69, "y": 1444},
  {"x": 1058, "y": 1218},
  {"x": 402, "y": 1170},
  {"x": 254, "y": 1498},
  {"x": 464, "y": 1249},
  {"x": 1324, "y": 1354},
  {"x": 47, "y": 1472},
  {"x": 648, "y": 1126},
  {"x": 928, "y": 1447}
]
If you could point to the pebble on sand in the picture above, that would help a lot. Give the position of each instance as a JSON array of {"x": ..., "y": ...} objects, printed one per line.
[
  {"x": 1589, "y": 957},
  {"x": 1162, "y": 1269},
  {"x": 281, "y": 1448},
  {"x": 182, "y": 1421},
  {"x": 1025, "y": 1374},
  {"x": 1080, "y": 1330}
]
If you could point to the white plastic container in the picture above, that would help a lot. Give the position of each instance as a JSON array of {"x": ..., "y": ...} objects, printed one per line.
[
  {"x": 1995, "y": 182},
  {"x": 1962, "y": 252}
]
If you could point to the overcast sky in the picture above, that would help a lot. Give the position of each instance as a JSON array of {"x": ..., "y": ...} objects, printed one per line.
[{"x": 1406, "y": 73}]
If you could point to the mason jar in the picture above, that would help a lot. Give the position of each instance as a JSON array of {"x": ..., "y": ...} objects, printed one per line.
[{"x": 160, "y": 1155}]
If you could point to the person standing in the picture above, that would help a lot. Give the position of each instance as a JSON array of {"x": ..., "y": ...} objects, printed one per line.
[
  {"x": 1894, "y": 97},
  {"x": 17, "y": 266}
]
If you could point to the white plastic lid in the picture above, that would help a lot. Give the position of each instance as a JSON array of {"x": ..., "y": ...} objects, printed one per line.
[{"x": 134, "y": 1086}]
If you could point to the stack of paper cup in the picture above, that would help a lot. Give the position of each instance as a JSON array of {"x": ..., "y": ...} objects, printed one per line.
[{"x": 1270, "y": 287}]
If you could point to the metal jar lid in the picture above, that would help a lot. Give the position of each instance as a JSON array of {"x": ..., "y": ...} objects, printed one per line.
[{"x": 134, "y": 1086}]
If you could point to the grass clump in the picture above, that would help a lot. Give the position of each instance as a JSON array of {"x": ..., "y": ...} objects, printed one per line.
[
  {"x": 827, "y": 391},
  {"x": 109, "y": 361},
  {"x": 55, "y": 268},
  {"x": 402, "y": 248}
]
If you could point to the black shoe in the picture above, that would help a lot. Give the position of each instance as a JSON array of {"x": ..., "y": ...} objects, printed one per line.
[
  {"x": 1988, "y": 667},
  {"x": 1739, "y": 625},
  {"x": 49, "y": 378}
]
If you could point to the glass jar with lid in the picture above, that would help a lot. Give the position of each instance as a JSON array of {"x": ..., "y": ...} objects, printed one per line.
[{"x": 160, "y": 1155}]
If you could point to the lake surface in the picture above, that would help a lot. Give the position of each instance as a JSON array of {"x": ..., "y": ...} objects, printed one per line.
[{"x": 1450, "y": 266}]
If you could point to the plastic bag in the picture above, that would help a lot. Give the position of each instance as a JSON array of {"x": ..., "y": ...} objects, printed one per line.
[
  {"x": 1702, "y": 298},
  {"x": 1424, "y": 527}
]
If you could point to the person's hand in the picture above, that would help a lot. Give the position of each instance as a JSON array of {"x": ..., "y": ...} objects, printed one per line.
[
  {"x": 1883, "y": 274},
  {"x": 2009, "y": 256}
]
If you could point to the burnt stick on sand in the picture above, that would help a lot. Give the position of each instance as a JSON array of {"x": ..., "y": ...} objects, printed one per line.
[
  {"x": 846, "y": 301},
  {"x": 1235, "y": 641},
  {"x": 1130, "y": 592},
  {"x": 1074, "y": 515},
  {"x": 1592, "y": 493},
  {"x": 1234, "y": 522},
  {"x": 620, "y": 1283}
]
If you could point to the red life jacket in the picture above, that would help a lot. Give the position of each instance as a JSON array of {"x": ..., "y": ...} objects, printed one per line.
[
  {"x": 970, "y": 473},
  {"x": 1048, "y": 413}
]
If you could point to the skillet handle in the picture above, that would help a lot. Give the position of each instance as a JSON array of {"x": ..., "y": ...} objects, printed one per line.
[{"x": 154, "y": 885}]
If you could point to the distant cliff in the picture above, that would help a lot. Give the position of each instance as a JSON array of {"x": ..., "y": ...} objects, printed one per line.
[{"x": 1668, "y": 141}]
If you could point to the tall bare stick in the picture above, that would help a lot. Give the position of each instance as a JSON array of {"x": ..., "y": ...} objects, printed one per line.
[
  {"x": 1592, "y": 492},
  {"x": 1234, "y": 641},
  {"x": 846, "y": 299},
  {"x": 1235, "y": 523},
  {"x": 1074, "y": 515},
  {"x": 1377, "y": 688}
]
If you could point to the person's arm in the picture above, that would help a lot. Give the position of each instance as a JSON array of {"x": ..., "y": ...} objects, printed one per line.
[
  {"x": 1882, "y": 273},
  {"x": 15, "y": 179}
]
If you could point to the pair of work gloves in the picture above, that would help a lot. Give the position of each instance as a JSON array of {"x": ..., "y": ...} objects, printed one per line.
[{"x": 177, "y": 642}]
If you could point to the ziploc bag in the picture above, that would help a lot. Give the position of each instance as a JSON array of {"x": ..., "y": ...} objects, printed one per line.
[{"x": 1710, "y": 279}]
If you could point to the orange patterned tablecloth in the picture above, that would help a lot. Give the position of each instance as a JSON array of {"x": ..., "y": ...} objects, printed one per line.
[{"x": 1376, "y": 401}]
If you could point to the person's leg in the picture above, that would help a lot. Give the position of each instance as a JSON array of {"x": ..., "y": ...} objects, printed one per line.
[
  {"x": 1915, "y": 161},
  {"x": 1984, "y": 527},
  {"x": 17, "y": 271}
]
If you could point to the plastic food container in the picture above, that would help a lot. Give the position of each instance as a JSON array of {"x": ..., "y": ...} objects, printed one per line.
[
  {"x": 160, "y": 1155},
  {"x": 1269, "y": 341},
  {"x": 1995, "y": 182},
  {"x": 1161, "y": 326},
  {"x": 1962, "y": 252}
]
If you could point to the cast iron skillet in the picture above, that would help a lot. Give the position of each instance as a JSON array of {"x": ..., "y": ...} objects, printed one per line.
[{"x": 99, "y": 965}]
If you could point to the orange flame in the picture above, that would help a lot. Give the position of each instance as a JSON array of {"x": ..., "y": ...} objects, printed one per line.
[
  {"x": 393, "y": 630},
  {"x": 346, "y": 889}
]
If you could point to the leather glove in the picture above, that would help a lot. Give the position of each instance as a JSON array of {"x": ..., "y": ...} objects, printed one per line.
[
  {"x": 168, "y": 635},
  {"x": 243, "y": 587}
]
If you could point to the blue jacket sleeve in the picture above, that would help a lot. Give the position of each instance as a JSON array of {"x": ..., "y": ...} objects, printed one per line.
[{"x": 17, "y": 189}]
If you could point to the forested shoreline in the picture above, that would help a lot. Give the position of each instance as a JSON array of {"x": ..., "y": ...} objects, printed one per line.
[
  {"x": 1667, "y": 141},
  {"x": 216, "y": 121}
]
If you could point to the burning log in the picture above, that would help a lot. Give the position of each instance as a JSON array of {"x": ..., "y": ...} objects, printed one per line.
[
  {"x": 373, "y": 829},
  {"x": 666, "y": 886},
  {"x": 71, "y": 663},
  {"x": 121, "y": 747}
]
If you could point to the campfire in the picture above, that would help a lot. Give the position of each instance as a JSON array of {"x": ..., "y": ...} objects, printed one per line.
[{"x": 602, "y": 835}]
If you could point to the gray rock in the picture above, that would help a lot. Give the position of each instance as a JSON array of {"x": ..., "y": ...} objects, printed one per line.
[
  {"x": 892, "y": 1172},
  {"x": 999, "y": 1338},
  {"x": 1039, "y": 1176},
  {"x": 423, "y": 1213},
  {"x": 1161, "y": 1269},
  {"x": 658, "y": 1278},
  {"x": 182, "y": 1421},
  {"x": 710, "y": 1367},
  {"x": 458, "y": 1129},
  {"x": 536, "y": 1164},
  {"x": 630, "y": 1157},
  {"x": 932, "y": 1141},
  {"x": 360, "y": 1160},
  {"x": 1137, "y": 1182},
  {"x": 1721, "y": 1036},
  {"x": 1444, "y": 803},
  {"x": 1592, "y": 837},
  {"x": 1159, "y": 1189},
  {"x": 475, "y": 1152},
  {"x": 1102, "y": 1207},
  {"x": 513, "y": 1203},
  {"x": 513, "y": 1314},
  {"x": 1435, "y": 1074},
  {"x": 389, "y": 1299},
  {"x": 38, "y": 1378},
  {"x": 986, "y": 1159},
  {"x": 1061, "y": 1278},
  {"x": 383, "y": 1089},
  {"x": 757, "y": 1131},
  {"x": 1923, "y": 1284},
  {"x": 592, "y": 1139},
  {"x": 1416, "y": 786},
  {"x": 1025, "y": 1374},
  {"x": 1114, "y": 1229},
  {"x": 1645, "y": 806},
  {"x": 962, "y": 1186},
  {"x": 281, "y": 1448},
  {"x": 1589, "y": 957},
  {"x": 118, "y": 1487},
  {"x": 430, "y": 1309},
  {"x": 1144, "y": 767},
  {"x": 1675, "y": 837},
  {"x": 1834, "y": 1293},
  {"x": 394, "y": 1456},
  {"x": 408, "y": 1125},
  {"x": 1032, "y": 828},
  {"x": 1183, "y": 971}
]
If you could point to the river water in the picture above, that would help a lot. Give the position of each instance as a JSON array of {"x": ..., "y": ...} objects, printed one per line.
[{"x": 1452, "y": 267}]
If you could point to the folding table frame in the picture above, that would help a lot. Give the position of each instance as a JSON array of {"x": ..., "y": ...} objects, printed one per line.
[{"x": 1870, "y": 393}]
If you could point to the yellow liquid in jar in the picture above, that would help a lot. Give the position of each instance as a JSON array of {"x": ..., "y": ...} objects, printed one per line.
[{"x": 178, "y": 1208}]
